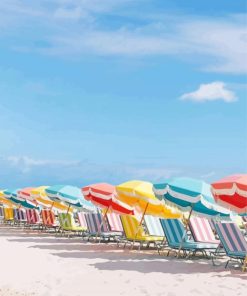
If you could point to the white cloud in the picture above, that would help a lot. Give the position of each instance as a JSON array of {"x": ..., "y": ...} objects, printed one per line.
[
  {"x": 211, "y": 92},
  {"x": 216, "y": 43},
  {"x": 67, "y": 170}
]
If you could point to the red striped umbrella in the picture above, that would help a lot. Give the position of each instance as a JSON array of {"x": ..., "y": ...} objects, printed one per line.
[
  {"x": 104, "y": 196},
  {"x": 231, "y": 192},
  {"x": 24, "y": 194}
]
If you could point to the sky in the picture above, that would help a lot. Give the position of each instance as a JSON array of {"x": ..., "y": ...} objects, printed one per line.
[{"x": 114, "y": 90}]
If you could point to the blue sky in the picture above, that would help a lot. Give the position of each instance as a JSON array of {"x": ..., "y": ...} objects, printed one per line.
[{"x": 113, "y": 90}]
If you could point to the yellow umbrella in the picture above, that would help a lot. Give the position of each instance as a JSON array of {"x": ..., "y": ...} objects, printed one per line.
[
  {"x": 5, "y": 201},
  {"x": 41, "y": 197},
  {"x": 140, "y": 194}
]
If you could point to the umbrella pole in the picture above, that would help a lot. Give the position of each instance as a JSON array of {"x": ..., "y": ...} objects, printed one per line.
[
  {"x": 139, "y": 226},
  {"x": 186, "y": 229},
  {"x": 68, "y": 209},
  {"x": 103, "y": 218}
]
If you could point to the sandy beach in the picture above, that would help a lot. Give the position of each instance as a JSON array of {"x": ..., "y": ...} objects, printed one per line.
[{"x": 34, "y": 263}]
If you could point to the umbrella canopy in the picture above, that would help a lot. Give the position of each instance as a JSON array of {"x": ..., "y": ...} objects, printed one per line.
[
  {"x": 104, "y": 196},
  {"x": 140, "y": 195},
  {"x": 231, "y": 192},
  {"x": 5, "y": 201},
  {"x": 11, "y": 194},
  {"x": 24, "y": 195},
  {"x": 70, "y": 195},
  {"x": 190, "y": 194},
  {"x": 39, "y": 194}
]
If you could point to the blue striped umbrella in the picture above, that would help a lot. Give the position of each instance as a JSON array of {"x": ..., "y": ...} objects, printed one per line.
[
  {"x": 70, "y": 195},
  {"x": 12, "y": 194},
  {"x": 190, "y": 194}
]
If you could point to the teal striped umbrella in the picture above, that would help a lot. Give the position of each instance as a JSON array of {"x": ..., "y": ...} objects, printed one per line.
[
  {"x": 70, "y": 195},
  {"x": 12, "y": 194},
  {"x": 190, "y": 194}
]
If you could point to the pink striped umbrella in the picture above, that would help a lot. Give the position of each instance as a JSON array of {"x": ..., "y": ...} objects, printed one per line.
[
  {"x": 104, "y": 196},
  {"x": 24, "y": 194}
]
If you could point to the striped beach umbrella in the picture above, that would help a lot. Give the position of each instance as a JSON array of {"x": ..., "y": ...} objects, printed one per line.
[
  {"x": 12, "y": 195},
  {"x": 104, "y": 196},
  {"x": 70, "y": 195},
  {"x": 4, "y": 201},
  {"x": 190, "y": 195},
  {"x": 139, "y": 194},
  {"x": 24, "y": 195},
  {"x": 231, "y": 193},
  {"x": 39, "y": 194}
]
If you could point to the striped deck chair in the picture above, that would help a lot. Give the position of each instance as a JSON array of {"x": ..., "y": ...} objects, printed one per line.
[
  {"x": 114, "y": 222},
  {"x": 136, "y": 234},
  {"x": 202, "y": 231},
  {"x": 82, "y": 219},
  {"x": 177, "y": 239},
  {"x": 153, "y": 225},
  {"x": 98, "y": 227},
  {"x": 67, "y": 224},
  {"x": 233, "y": 241},
  {"x": 96, "y": 223},
  {"x": 20, "y": 216},
  {"x": 8, "y": 215},
  {"x": 33, "y": 218},
  {"x": 49, "y": 219},
  {"x": 115, "y": 225}
]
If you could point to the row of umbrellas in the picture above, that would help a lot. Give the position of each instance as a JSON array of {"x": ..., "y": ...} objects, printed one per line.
[{"x": 164, "y": 200}]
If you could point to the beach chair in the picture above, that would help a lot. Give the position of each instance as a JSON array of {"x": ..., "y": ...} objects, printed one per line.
[
  {"x": 67, "y": 224},
  {"x": 201, "y": 230},
  {"x": 153, "y": 225},
  {"x": 115, "y": 225},
  {"x": 134, "y": 233},
  {"x": 82, "y": 219},
  {"x": 114, "y": 222},
  {"x": 20, "y": 216},
  {"x": 8, "y": 215},
  {"x": 177, "y": 239},
  {"x": 33, "y": 218},
  {"x": 99, "y": 228},
  {"x": 233, "y": 241},
  {"x": 49, "y": 219}
]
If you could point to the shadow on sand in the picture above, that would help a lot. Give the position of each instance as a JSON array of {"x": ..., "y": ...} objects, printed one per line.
[{"x": 114, "y": 258}]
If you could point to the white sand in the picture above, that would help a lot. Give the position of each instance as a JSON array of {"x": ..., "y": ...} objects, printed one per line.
[{"x": 40, "y": 264}]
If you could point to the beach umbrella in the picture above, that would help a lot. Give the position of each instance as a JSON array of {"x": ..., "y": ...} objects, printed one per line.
[
  {"x": 231, "y": 193},
  {"x": 190, "y": 195},
  {"x": 24, "y": 195},
  {"x": 104, "y": 196},
  {"x": 39, "y": 194},
  {"x": 5, "y": 201},
  {"x": 70, "y": 195},
  {"x": 140, "y": 195},
  {"x": 11, "y": 194}
]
